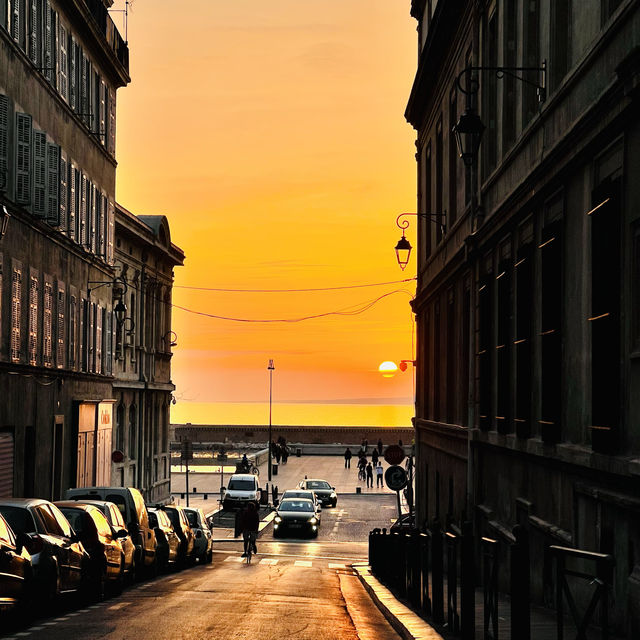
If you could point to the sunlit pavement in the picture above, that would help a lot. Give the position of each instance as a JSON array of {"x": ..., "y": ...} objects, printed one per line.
[{"x": 303, "y": 589}]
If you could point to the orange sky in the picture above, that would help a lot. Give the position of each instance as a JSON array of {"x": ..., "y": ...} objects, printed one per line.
[{"x": 272, "y": 136}]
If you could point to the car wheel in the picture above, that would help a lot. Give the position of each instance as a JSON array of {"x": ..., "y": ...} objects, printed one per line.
[
  {"x": 334, "y": 503},
  {"x": 209, "y": 559}
]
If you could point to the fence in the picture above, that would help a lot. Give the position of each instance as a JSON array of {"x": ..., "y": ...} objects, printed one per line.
[{"x": 421, "y": 566}]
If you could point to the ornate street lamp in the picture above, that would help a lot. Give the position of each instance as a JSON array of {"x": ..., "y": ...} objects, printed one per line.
[
  {"x": 4, "y": 221},
  {"x": 468, "y": 131},
  {"x": 403, "y": 248}
]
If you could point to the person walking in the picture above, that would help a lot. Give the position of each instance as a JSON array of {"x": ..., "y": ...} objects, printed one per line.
[
  {"x": 379, "y": 475},
  {"x": 379, "y": 447},
  {"x": 369, "y": 475},
  {"x": 278, "y": 453},
  {"x": 347, "y": 458},
  {"x": 374, "y": 456},
  {"x": 285, "y": 453}
]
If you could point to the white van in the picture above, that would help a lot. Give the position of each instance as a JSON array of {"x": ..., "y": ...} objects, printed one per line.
[{"x": 242, "y": 489}]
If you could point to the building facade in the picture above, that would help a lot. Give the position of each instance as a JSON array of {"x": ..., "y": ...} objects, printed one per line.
[
  {"x": 61, "y": 64},
  {"x": 528, "y": 298},
  {"x": 144, "y": 261}
]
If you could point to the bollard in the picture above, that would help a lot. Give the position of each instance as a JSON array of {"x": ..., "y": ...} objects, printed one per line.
[
  {"x": 520, "y": 611},
  {"x": 437, "y": 573},
  {"x": 194, "y": 490},
  {"x": 206, "y": 495}
]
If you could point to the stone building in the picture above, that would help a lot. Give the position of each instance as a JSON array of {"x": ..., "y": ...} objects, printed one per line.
[
  {"x": 528, "y": 298},
  {"x": 61, "y": 64},
  {"x": 144, "y": 261}
]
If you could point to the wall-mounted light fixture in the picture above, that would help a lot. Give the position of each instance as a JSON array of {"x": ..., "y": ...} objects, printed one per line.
[
  {"x": 170, "y": 340},
  {"x": 4, "y": 221},
  {"x": 403, "y": 248}
]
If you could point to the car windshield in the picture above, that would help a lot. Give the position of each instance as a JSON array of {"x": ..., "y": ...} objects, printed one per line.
[
  {"x": 242, "y": 485},
  {"x": 318, "y": 484},
  {"x": 296, "y": 505},
  {"x": 192, "y": 517},
  {"x": 19, "y": 519},
  {"x": 75, "y": 518},
  {"x": 153, "y": 519}
]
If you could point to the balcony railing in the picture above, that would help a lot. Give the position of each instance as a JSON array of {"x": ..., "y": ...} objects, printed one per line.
[{"x": 110, "y": 31}]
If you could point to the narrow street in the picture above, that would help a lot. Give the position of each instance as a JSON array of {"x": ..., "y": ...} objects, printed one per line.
[{"x": 302, "y": 589}]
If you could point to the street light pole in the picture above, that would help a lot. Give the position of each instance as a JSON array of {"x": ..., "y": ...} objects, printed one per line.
[{"x": 270, "y": 368}]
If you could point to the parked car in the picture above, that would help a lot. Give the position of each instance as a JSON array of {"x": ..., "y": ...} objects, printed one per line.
[
  {"x": 187, "y": 538},
  {"x": 166, "y": 537},
  {"x": 100, "y": 541},
  {"x": 325, "y": 492},
  {"x": 134, "y": 512},
  {"x": 297, "y": 516},
  {"x": 15, "y": 568},
  {"x": 116, "y": 521},
  {"x": 309, "y": 495},
  {"x": 242, "y": 489},
  {"x": 203, "y": 544},
  {"x": 60, "y": 562}
]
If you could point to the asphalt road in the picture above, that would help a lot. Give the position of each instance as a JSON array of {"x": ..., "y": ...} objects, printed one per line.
[{"x": 297, "y": 589}]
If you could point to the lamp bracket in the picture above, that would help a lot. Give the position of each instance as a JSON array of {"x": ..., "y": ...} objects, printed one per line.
[
  {"x": 473, "y": 84},
  {"x": 439, "y": 218}
]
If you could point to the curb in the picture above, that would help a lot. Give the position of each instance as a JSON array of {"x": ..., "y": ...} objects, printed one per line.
[{"x": 407, "y": 623}]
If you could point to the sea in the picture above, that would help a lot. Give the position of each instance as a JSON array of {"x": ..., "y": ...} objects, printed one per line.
[{"x": 299, "y": 413}]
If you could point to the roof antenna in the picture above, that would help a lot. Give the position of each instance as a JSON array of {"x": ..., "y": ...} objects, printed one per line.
[{"x": 125, "y": 18}]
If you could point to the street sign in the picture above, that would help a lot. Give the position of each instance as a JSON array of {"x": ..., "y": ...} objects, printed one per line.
[
  {"x": 394, "y": 454},
  {"x": 187, "y": 450},
  {"x": 396, "y": 478}
]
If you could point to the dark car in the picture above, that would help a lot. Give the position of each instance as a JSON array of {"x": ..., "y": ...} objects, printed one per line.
[
  {"x": 60, "y": 562},
  {"x": 181, "y": 526},
  {"x": 309, "y": 495},
  {"x": 15, "y": 568},
  {"x": 166, "y": 537},
  {"x": 325, "y": 492},
  {"x": 295, "y": 516},
  {"x": 203, "y": 544},
  {"x": 116, "y": 521},
  {"x": 134, "y": 511},
  {"x": 100, "y": 541}
]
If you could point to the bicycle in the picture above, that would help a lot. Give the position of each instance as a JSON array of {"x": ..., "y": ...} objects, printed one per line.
[
  {"x": 361, "y": 474},
  {"x": 251, "y": 537}
]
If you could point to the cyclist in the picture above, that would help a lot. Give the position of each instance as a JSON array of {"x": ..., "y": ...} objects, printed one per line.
[
  {"x": 362, "y": 465},
  {"x": 249, "y": 521}
]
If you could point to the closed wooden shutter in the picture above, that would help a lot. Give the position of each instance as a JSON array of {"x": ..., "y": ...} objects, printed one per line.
[
  {"x": 94, "y": 213},
  {"x": 47, "y": 325},
  {"x": 111, "y": 215},
  {"x": 82, "y": 236},
  {"x": 49, "y": 41},
  {"x": 34, "y": 33},
  {"x": 102, "y": 123},
  {"x": 63, "y": 193},
  {"x": 73, "y": 73},
  {"x": 4, "y": 142},
  {"x": 39, "y": 174},
  {"x": 73, "y": 330},
  {"x": 53, "y": 185},
  {"x": 16, "y": 20},
  {"x": 112, "y": 123},
  {"x": 60, "y": 327},
  {"x": 33, "y": 320},
  {"x": 99, "y": 315},
  {"x": 23, "y": 158},
  {"x": 63, "y": 62},
  {"x": 16, "y": 311},
  {"x": 84, "y": 88},
  {"x": 6, "y": 464}
]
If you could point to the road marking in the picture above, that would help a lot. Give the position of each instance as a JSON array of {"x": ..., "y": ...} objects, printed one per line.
[
  {"x": 333, "y": 565},
  {"x": 36, "y": 628},
  {"x": 233, "y": 559},
  {"x": 118, "y": 606},
  {"x": 175, "y": 580},
  {"x": 265, "y": 522},
  {"x": 47, "y": 624},
  {"x": 61, "y": 619},
  {"x": 271, "y": 561},
  {"x": 22, "y": 634},
  {"x": 303, "y": 563}
]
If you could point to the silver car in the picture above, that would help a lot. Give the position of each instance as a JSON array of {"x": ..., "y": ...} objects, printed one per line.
[
  {"x": 203, "y": 549},
  {"x": 60, "y": 562}
]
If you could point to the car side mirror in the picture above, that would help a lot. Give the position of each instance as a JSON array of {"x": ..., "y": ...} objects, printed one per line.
[
  {"x": 122, "y": 533},
  {"x": 333, "y": 488},
  {"x": 223, "y": 489},
  {"x": 22, "y": 542}
]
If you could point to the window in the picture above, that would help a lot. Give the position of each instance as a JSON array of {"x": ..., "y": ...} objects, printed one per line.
[
  {"x": 531, "y": 57},
  {"x": 73, "y": 314},
  {"x": 437, "y": 362},
  {"x": 39, "y": 178},
  {"x": 61, "y": 520},
  {"x": 16, "y": 311},
  {"x": 551, "y": 252},
  {"x": 5, "y": 111},
  {"x": 426, "y": 225},
  {"x": 453, "y": 159},
  {"x": 33, "y": 320},
  {"x": 83, "y": 212},
  {"x": 503, "y": 346},
  {"x": 133, "y": 434},
  {"x": 23, "y": 158},
  {"x": 47, "y": 325},
  {"x": 560, "y": 41},
  {"x": 63, "y": 61},
  {"x": 60, "y": 327},
  {"x": 509, "y": 85},
  {"x": 490, "y": 93},
  {"x": 49, "y": 43},
  {"x": 439, "y": 179},
  {"x": 63, "y": 193},
  {"x": 73, "y": 201},
  {"x": 49, "y": 522},
  {"x": 451, "y": 359},
  {"x": 485, "y": 341},
  {"x": 99, "y": 338},
  {"x": 35, "y": 33},
  {"x": 52, "y": 202}
]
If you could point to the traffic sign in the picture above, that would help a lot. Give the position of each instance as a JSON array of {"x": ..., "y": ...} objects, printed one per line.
[
  {"x": 394, "y": 454},
  {"x": 396, "y": 478}
]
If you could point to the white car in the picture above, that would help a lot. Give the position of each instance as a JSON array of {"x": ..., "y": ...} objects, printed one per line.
[{"x": 242, "y": 489}]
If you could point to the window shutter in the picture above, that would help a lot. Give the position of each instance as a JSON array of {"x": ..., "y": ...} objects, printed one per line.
[
  {"x": 63, "y": 193},
  {"x": 84, "y": 87},
  {"x": 53, "y": 185},
  {"x": 99, "y": 314},
  {"x": 63, "y": 61},
  {"x": 112, "y": 123},
  {"x": 47, "y": 325},
  {"x": 49, "y": 39},
  {"x": 60, "y": 327},
  {"x": 4, "y": 142},
  {"x": 73, "y": 74},
  {"x": 16, "y": 312},
  {"x": 38, "y": 199},
  {"x": 82, "y": 213},
  {"x": 15, "y": 20},
  {"x": 34, "y": 28},
  {"x": 102, "y": 124},
  {"x": 100, "y": 217},
  {"x": 95, "y": 221},
  {"x": 33, "y": 321},
  {"x": 111, "y": 217},
  {"x": 108, "y": 342},
  {"x": 23, "y": 158},
  {"x": 73, "y": 315},
  {"x": 73, "y": 201}
]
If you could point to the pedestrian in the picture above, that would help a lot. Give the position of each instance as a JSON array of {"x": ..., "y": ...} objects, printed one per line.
[
  {"x": 369, "y": 471},
  {"x": 379, "y": 446},
  {"x": 374, "y": 456},
  {"x": 347, "y": 458},
  {"x": 285, "y": 454},
  {"x": 379, "y": 475},
  {"x": 400, "y": 443},
  {"x": 278, "y": 453},
  {"x": 363, "y": 447}
]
